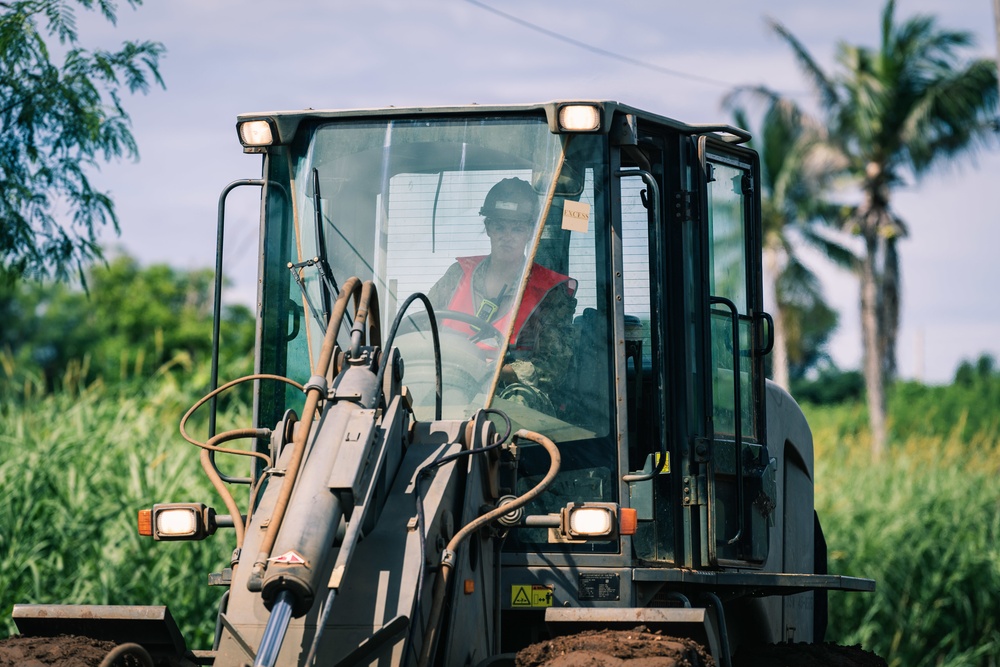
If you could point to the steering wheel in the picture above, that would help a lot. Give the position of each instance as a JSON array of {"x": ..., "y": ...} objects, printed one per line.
[
  {"x": 482, "y": 330},
  {"x": 466, "y": 366}
]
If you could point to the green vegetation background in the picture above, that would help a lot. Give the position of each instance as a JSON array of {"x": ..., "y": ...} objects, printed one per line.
[
  {"x": 924, "y": 522},
  {"x": 87, "y": 441}
]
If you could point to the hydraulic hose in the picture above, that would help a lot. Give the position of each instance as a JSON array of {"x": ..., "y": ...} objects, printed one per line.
[
  {"x": 448, "y": 554},
  {"x": 215, "y": 392},
  {"x": 212, "y": 446},
  {"x": 367, "y": 313},
  {"x": 435, "y": 341},
  {"x": 216, "y": 479}
]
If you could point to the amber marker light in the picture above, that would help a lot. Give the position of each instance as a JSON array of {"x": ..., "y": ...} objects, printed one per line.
[
  {"x": 146, "y": 523},
  {"x": 470, "y": 586},
  {"x": 628, "y": 520}
]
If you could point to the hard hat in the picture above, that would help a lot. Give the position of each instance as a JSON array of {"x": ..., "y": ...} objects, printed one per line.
[{"x": 511, "y": 199}]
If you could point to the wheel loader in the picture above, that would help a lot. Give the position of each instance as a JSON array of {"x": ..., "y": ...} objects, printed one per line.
[{"x": 448, "y": 480}]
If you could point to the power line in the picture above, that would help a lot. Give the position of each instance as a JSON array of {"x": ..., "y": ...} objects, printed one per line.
[{"x": 599, "y": 51}]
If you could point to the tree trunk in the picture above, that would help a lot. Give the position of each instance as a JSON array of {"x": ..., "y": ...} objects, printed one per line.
[
  {"x": 873, "y": 366},
  {"x": 889, "y": 298},
  {"x": 779, "y": 355}
]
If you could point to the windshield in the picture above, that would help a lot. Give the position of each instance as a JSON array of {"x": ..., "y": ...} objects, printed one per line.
[{"x": 493, "y": 219}]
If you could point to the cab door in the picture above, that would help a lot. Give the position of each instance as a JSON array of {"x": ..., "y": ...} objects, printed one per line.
[{"x": 739, "y": 474}]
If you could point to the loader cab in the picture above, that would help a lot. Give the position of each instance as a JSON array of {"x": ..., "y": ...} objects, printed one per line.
[{"x": 640, "y": 351}]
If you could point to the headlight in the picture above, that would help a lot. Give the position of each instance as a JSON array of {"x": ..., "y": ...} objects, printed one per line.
[
  {"x": 579, "y": 118},
  {"x": 590, "y": 522},
  {"x": 256, "y": 133},
  {"x": 177, "y": 521},
  {"x": 595, "y": 521}
]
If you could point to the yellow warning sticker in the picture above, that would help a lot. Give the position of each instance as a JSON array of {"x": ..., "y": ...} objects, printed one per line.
[{"x": 531, "y": 596}]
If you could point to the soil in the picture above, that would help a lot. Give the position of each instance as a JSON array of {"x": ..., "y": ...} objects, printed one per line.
[
  {"x": 641, "y": 648},
  {"x": 62, "y": 651},
  {"x": 611, "y": 648},
  {"x": 614, "y": 648}
]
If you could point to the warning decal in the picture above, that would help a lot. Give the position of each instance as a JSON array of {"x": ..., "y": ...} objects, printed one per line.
[
  {"x": 531, "y": 596},
  {"x": 288, "y": 558}
]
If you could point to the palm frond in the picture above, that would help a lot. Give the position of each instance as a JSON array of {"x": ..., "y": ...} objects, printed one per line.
[
  {"x": 817, "y": 77},
  {"x": 835, "y": 250}
]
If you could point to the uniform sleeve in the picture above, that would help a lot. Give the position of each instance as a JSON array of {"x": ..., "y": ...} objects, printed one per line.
[{"x": 552, "y": 341}]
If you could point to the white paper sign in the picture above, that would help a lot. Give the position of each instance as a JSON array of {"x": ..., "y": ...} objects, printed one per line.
[{"x": 576, "y": 216}]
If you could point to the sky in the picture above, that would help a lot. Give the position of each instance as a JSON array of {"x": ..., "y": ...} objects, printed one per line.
[{"x": 678, "y": 59}]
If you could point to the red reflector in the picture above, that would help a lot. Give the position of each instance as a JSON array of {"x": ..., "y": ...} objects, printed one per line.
[
  {"x": 627, "y": 521},
  {"x": 146, "y": 522}
]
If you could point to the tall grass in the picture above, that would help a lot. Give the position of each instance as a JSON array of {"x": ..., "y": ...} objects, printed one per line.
[
  {"x": 75, "y": 467},
  {"x": 925, "y": 524}
]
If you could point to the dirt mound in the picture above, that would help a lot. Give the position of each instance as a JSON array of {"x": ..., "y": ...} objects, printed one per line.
[
  {"x": 615, "y": 648},
  {"x": 641, "y": 648},
  {"x": 62, "y": 651},
  {"x": 807, "y": 655}
]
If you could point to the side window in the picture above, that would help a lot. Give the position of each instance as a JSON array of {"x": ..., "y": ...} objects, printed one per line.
[
  {"x": 641, "y": 390},
  {"x": 733, "y": 381}
]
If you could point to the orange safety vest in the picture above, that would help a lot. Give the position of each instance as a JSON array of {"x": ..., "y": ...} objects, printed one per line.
[{"x": 540, "y": 282}]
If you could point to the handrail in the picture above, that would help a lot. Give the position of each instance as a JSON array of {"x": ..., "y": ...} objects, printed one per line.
[
  {"x": 737, "y": 408},
  {"x": 217, "y": 315}
]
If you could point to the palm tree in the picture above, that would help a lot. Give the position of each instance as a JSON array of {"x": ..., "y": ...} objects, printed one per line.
[
  {"x": 796, "y": 171},
  {"x": 896, "y": 112}
]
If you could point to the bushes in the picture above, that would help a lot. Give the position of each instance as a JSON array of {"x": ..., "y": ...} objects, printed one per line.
[
  {"x": 970, "y": 404},
  {"x": 830, "y": 387},
  {"x": 132, "y": 321}
]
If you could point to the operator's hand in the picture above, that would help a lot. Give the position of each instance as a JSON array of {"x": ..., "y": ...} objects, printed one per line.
[
  {"x": 518, "y": 371},
  {"x": 508, "y": 374}
]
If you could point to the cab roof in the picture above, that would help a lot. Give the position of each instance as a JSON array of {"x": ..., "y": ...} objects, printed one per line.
[{"x": 286, "y": 123}]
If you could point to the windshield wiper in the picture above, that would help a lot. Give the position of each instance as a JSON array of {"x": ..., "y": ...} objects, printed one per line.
[{"x": 326, "y": 277}]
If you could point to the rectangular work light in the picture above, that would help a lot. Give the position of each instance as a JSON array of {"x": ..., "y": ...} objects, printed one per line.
[
  {"x": 177, "y": 521},
  {"x": 589, "y": 521},
  {"x": 579, "y": 118},
  {"x": 256, "y": 133}
]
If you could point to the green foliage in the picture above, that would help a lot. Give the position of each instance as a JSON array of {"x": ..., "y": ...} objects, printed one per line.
[
  {"x": 924, "y": 522},
  {"x": 92, "y": 386},
  {"x": 75, "y": 467},
  {"x": 831, "y": 386},
  {"x": 131, "y": 322},
  {"x": 58, "y": 122},
  {"x": 918, "y": 411}
]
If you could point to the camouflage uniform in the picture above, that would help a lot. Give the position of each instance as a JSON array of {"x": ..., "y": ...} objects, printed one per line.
[{"x": 542, "y": 356}]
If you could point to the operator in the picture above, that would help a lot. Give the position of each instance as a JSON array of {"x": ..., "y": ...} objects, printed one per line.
[{"x": 542, "y": 341}]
